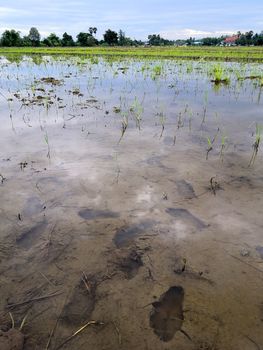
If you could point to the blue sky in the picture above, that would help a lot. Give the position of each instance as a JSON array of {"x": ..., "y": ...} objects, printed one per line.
[{"x": 171, "y": 18}]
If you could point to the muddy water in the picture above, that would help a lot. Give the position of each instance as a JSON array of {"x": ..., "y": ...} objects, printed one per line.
[{"x": 113, "y": 210}]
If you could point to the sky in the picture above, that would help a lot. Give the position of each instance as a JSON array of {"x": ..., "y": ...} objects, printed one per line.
[{"x": 171, "y": 19}]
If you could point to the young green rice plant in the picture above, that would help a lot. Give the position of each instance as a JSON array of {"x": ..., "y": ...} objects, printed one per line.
[
  {"x": 180, "y": 121},
  {"x": 46, "y": 103},
  {"x": 156, "y": 72},
  {"x": 205, "y": 106},
  {"x": 124, "y": 125},
  {"x": 209, "y": 147},
  {"x": 219, "y": 76},
  {"x": 33, "y": 89},
  {"x": 94, "y": 60},
  {"x": 223, "y": 146},
  {"x": 137, "y": 110},
  {"x": 47, "y": 142},
  {"x": 190, "y": 119},
  {"x": 256, "y": 144},
  {"x": 189, "y": 68},
  {"x": 210, "y": 143},
  {"x": 162, "y": 119}
]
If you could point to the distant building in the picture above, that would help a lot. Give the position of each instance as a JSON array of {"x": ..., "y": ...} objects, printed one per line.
[
  {"x": 231, "y": 40},
  {"x": 198, "y": 43}
]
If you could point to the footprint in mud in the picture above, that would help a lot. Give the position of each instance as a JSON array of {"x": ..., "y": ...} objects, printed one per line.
[
  {"x": 130, "y": 264},
  {"x": 187, "y": 217},
  {"x": 28, "y": 238},
  {"x": 125, "y": 236},
  {"x": 185, "y": 189},
  {"x": 169, "y": 141},
  {"x": 166, "y": 317},
  {"x": 81, "y": 302},
  {"x": 90, "y": 214},
  {"x": 33, "y": 207},
  {"x": 49, "y": 184}
]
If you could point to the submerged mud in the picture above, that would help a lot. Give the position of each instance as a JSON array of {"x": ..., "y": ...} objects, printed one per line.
[{"x": 11, "y": 340}]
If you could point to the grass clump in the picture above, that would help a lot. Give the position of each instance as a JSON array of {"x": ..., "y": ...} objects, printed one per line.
[{"x": 219, "y": 76}]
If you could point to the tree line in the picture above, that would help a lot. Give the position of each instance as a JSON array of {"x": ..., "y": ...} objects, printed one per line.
[
  {"x": 244, "y": 39},
  {"x": 12, "y": 37}
]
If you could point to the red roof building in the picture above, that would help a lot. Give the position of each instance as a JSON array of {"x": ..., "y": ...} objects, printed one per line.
[{"x": 231, "y": 40}]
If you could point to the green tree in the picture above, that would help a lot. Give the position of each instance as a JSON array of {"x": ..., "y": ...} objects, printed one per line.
[
  {"x": 111, "y": 37},
  {"x": 11, "y": 38},
  {"x": 123, "y": 40},
  {"x": 258, "y": 39},
  {"x": 67, "y": 40},
  {"x": 92, "y": 30},
  {"x": 52, "y": 40},
  {"x": 86, "y": 39},
  {"x": 26, "y": 41},
  {"x": 156, "y": 40},
  {"x": 209, "y": 41},
  {"x": 34, "y": 36},
  {"x": 190, "y": 41}
]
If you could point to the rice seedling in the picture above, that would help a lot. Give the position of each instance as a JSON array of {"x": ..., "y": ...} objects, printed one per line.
[
  {"x": 209, "y": 147},
  {"x": 2, "y": 178},
  {"x": 156, "y": 72},
  {"x": 256, "y": 144},
  {"x": 47, "y": 142},
  {"x": 180, "y": 122},
  {"x": 219, "y": 76},
  {"x": 241, "y": 54},
  {"x": 223, "y": 146},
  {"x": 210, "y": 143},
  {"x": 124, "y": 125},
  {"x": 190, "y": 112},
  {"x": 162, "y": 119},
  {"x": 137, "y": 110},
  {"x": 205, "y": 106}
]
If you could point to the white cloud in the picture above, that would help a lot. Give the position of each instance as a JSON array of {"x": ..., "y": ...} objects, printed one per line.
[
  {"x": 173, "y": 34},
  {"x": 6, "y": 12}
]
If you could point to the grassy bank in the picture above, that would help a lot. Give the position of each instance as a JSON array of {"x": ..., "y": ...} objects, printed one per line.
[{"x": 207, "y": 53}]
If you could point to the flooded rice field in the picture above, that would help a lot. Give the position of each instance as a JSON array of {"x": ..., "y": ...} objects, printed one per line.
[{"x": 131, "y": 204}]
